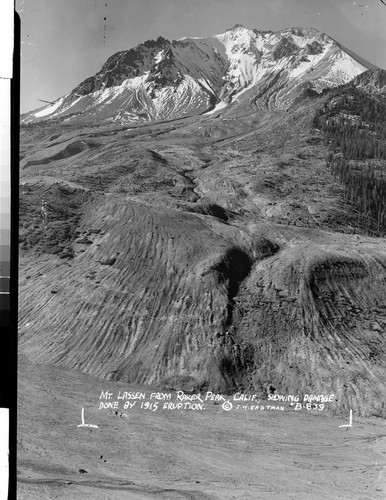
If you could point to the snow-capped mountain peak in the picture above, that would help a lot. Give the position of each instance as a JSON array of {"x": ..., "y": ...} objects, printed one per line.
[{"x": 161, "y": 79}]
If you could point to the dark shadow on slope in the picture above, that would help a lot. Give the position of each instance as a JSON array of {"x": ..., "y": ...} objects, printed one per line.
[
  {"x": 210, "y": 209},
  {"x": 233, "y": 267}
]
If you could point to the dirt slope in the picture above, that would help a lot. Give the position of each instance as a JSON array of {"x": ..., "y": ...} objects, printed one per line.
[
  {"x": 200, "y": 253},
  {"x": 143, "y": 292},
  {"x": 210, "y": 454},
  {"x": 314, "y": 316}
]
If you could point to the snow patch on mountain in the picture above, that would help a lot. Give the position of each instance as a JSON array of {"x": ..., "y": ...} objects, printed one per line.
[
  {"x": 307, "y": 63},
  {"x": 343, "y": 67},
  {"x": 221, "y": 105},
  {"x": 243, "y": 56},
  {"x": 49, "y": 109},
  {"x": 159, "y": 56},
  {"x": 106, "y": 95}
]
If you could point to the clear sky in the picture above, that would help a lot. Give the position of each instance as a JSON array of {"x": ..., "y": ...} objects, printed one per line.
[{"x": 66, "y": 41}]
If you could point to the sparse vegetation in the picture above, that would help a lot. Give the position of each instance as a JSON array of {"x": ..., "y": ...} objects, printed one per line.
[{"x": 355, "y": 126}]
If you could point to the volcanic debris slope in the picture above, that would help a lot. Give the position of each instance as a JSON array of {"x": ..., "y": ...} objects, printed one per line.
[{"x": 211, "y": 251}]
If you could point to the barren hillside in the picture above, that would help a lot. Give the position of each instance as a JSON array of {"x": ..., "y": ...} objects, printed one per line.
[
  {"x": 212, "y": 252},
  {"x": 141, "y": 454}
]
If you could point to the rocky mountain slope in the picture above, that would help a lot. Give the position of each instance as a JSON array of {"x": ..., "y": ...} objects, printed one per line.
[
  {"x": 208, "y": 252},
  {"x": 162, "y": 79}
]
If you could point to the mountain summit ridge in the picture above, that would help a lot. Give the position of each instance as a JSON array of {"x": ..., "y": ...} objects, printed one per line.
[{"x": 163, "y": 79}]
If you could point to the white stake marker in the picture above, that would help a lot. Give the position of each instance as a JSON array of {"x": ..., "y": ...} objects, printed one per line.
[
  {"x": 86, "y": 425},
  {"x": 350, "y": 423}
]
